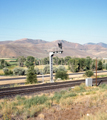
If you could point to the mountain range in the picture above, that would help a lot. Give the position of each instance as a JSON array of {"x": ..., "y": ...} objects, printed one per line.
[{"x": 40, "y": 48}]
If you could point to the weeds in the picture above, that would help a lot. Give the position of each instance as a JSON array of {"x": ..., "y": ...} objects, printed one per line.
[
  {"x": 35, "y": 101},
  {"x": 18, "y": 97},
  {"x": 31, "y": 107}
]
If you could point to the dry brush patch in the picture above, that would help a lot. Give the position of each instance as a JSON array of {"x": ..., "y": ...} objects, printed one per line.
[{"x": 79, "y": 103}]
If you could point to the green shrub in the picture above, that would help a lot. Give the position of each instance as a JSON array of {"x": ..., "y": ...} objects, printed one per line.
[
  {"x": 61, "y": 74},
  {"x": 82, "y": 87},
  {"x": 106, "y": 66},
  {"x": 57, "y": 96},
  {"x": 54, "y": 69},
  {"x": 61, "y": 68},
  {"x": 103, "y": 86},
  {"x": 69, "y": 95},
  {"x": 89, "y": 73},
  {"x": 37, "y": 71},
  {"x": 18, "y": 71},
  {"x": 35, "y": 101},
  {"x": 26, "y": 70},
  {"x": 46, "y": 69},
  {"x": 1, "y": 67},
  {"x": 31, "y": 76},
  {"x": 18, "y": 97},
  {"x": 7, "y": 71}
]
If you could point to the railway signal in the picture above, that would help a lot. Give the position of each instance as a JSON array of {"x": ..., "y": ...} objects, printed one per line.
[
  {"x": 51, "y": 54},
  {"x": 60, "y": 45}
]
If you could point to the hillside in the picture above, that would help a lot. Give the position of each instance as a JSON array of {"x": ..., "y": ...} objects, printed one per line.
[
  {"x": 100, "y": 44},
  {"x": 40, "y": 48}
]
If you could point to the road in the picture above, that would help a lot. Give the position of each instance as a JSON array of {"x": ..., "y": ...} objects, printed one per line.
[{"x": 40, "y": 76}]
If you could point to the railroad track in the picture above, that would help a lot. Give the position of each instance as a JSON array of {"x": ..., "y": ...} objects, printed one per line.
[{"x": 42, "y": 87}]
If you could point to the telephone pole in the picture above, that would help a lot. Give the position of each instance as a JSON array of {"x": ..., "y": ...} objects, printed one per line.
[{"x": 96, "y": 71}]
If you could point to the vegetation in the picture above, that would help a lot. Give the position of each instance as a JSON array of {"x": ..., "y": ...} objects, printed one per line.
[
  {"x": 18, "y": 71},
  {"x": 100, "y": 65},
  {"x": 21, "y": 61},
  {"x": 89, "y": 73},
  {"x": 29, "y": 61},
  {"x": 7, "y": 71},
  {"x": 31, "y": 76},
  {"x": 74, "y": 64},
  {"x": 93, "y": 99},
  {"x": 3, "y": 63},
  {"x": 61, "y": 73},
  {"x": 46, "y": 69}
]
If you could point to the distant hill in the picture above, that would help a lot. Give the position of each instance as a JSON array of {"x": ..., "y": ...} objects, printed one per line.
[
  {"x": 40, "y": 48},
  {"x": 100, "y": 44},
  {"x": 30, "y": 41}
]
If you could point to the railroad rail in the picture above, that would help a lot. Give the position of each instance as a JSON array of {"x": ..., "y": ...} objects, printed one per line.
[{"x": 5, "y": 92}]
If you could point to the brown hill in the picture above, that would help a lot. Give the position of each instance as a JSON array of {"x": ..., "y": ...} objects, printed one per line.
[{"x": 40, "y": 49}]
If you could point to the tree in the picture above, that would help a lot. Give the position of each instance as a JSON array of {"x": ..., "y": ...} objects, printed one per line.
[
  {"x": 31, "y": 76},
  {"x": 74, "y": 64},
  {"x": 55, "y": 60},
  {"x": 61, "y": 61},
  {"x": 30, "y": 61},
  {"x": 82, "y": 64},
  {"x": 67, "y": 58},
  {"x": 21, "y": 60},
  {"x": 93, "y": 65},
  {"x": 36, "y": 62},
  {"x": 3, "y": 63},
  {"x": 100, "y": 66},
  {"x": 88, "y": 63},
  {"x": 46, "y": 60}
]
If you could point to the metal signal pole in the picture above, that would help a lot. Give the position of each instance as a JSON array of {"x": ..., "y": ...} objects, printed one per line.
[{"x": 51, "y": 54}]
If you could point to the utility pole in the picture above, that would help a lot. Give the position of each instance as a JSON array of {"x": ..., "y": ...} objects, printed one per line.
[
  {"x": 96, "y": 71},
  {"x": 51, "y": 54}
]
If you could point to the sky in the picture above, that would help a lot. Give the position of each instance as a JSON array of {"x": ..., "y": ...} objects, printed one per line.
[{"x": 78, "y": 21}]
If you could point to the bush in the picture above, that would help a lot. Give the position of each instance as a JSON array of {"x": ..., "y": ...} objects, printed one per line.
[
  {"x": 37, "y": 71},
  {"x": 61, "y": 74},
  {"x": 62, "y": 68},
  {"x": 26, "y": 70},
  {"x": 89, "y": 73},
  {"x": 7, "y": 71},
  {"x": 106, "y": 66},
  {"x": 1, "y": 67},
  {"x": 46, "y": 69},
  {"x": 18, "y": 71},
  {"x": 35, "y": 101},
  {"x": 55, "y": 69},
  {"x": 31, "y": 76}
]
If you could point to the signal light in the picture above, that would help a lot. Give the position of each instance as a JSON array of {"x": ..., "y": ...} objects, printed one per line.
[{"x": 60, "y": 45}]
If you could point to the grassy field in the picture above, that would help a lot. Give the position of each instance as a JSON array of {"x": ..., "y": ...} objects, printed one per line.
[{"x": 82, "y": 103}]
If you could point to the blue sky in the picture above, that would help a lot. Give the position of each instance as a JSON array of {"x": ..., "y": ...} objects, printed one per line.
[{"x": 78, "y": 21}]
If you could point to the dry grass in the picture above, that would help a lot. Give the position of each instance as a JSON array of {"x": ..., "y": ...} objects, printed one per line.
[
  {"x": 63, "y": 105},
  {"x": 1, "y": 72}
]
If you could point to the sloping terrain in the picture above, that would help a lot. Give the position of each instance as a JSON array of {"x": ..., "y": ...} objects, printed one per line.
[{"x": 40, "y": 48}]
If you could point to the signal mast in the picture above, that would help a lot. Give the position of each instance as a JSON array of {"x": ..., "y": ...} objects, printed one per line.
[{"x": 51, "y": 54}]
